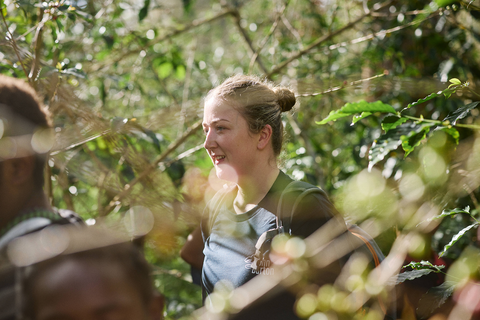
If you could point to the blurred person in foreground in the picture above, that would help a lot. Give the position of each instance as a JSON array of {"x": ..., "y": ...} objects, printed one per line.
[
  {"x": 243, "y": 136},
  {"x": 25, "y": 139},
  {"x": 110, "y": 281}
]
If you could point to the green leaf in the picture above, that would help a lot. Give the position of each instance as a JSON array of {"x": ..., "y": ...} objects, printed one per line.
[
  {"x": 452, "y": 132},
  {"x": 456, "y": 237},
  {"x": 447, "y": 92},
  {"x": 59, "y": 25},
  {"x": 424, "y": 265},
  {"x": 360, "y": 117},
  {"x": 455, "y": 81},
  {"x": 180, "y": 72},
  {"x": 415, "y": 137},
  {"x": 461, "y": 112},
  {"x": 443, "y": 3},
  {"x": 144, "y": 11},
  {"x": 446, "y": 213},
  {"x": 391, "y": 122},
  {"x": 358, "y": 107},
  {"x": 164, "y": 70}
]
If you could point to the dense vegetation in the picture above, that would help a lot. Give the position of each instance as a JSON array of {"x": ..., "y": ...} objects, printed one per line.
[{"x": 386, "y": 122}]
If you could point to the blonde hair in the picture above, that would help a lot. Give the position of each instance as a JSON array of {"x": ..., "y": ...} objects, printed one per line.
[{"x": 259, "y": 101}]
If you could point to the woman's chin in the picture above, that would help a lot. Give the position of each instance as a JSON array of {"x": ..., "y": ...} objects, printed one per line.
[{"x": 227, "y": 173}]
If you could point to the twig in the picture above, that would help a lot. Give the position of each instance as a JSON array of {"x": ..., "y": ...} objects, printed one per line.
[
  {"x": 186, "y": 85},
  {"x": 14, "y": 45},
  {"x": 292, "y": 30},
  {"x": 264, "y": 41},
  {"x": 76, "y": 144},
  {"x": 153, "y": 165},
  {"x": 322, "y": 40},
  {"x": 237, "y": 18},
  {"x": 353, "y": 83},
  {"x": 37, "y": 44},
  {"x": 376, "y": 34},
  {"x": 189, "y": 27}
]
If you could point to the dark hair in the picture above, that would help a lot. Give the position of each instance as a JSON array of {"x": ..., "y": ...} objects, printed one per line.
[
  {"x": 126, "y": 256},
  {"x": 259, "y": 101},
  {"x": 24, "y": 114}
]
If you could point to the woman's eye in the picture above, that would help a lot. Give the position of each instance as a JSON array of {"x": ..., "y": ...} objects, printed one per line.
[{"x": 220, "y": 128}]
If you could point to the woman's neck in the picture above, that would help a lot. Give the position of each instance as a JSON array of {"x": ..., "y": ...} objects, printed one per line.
[{"x": 252, "y": 189}]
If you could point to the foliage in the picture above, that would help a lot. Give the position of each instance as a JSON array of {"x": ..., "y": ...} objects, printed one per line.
[{"x": 124, "y": 81}]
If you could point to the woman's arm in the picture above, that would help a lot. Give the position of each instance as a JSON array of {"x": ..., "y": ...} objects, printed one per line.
[{"x": 192, "y": 251}]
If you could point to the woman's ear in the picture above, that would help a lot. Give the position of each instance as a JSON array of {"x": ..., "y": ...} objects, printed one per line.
[{"x": 265, "y": 136}]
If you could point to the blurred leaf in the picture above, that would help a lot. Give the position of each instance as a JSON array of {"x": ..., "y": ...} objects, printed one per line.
[
  {"x": 358, "y": 107},
  {"x": 455, "y": 81},
  {"x": 391, "y": 122},
  {"x": 144, "y": 11},
  {"x": 457, "y": 237},
  {"x": 164, "y": 70},
  {"x": 434, "y": 298},
  {"x": 461, "y": 112},
  {"x": 411, "y": 275},
  {"x": 59, "y": 24},
  {"x": 442, "y": 3},
  {"x": 446, "y": 213},
  {"x": 180, "y": 72}
]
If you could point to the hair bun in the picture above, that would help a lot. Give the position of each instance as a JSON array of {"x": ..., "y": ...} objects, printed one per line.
[{"x": 285, "y": 98}]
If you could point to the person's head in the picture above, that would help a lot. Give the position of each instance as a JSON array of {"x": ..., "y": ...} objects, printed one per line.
[
  {"x": 21, "y": 116},
  {"x": 253, "y": 106},
  {"x": 112, "y": 282}
]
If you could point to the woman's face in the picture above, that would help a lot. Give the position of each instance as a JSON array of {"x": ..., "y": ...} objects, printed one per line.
[{"x": 229, "y": 143}]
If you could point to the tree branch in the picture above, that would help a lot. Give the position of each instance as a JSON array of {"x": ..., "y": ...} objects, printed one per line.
[
  {"x": 322, "y": 40},
  {"x": 237, "y": 18},
  {"x": 172, "y": 147},
  {"x": 14, "y": 45},
  {"x": 264, "y": 41},
  {"x": 189, "y": 27}
]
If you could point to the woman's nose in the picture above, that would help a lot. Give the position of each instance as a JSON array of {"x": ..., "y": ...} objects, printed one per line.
[{"x": 209, "y": 140}]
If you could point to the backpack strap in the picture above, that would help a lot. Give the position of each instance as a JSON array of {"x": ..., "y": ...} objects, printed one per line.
[{"x": 294, "y": 186}]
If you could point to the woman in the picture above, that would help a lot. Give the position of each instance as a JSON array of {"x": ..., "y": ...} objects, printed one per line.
[{"x": 243, "y": 137}]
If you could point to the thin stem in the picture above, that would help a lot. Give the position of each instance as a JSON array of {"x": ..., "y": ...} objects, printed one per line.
[{"x": 15, "y": 48}]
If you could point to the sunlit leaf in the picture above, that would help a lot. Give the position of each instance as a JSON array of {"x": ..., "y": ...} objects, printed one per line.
[
  {"x": 448, "y": 91},
  {"x": 391, "y": 122},
  {"x": 358, "y": 107},
  {"x": 443, "y": 3},
  {"x": 424, "y": 265},
  {"x": 457, "y": 237},
  {"x": 461, "y": 112},
  {"x": 455, "y": 81},
  {"x": 360, "y": 117}
]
